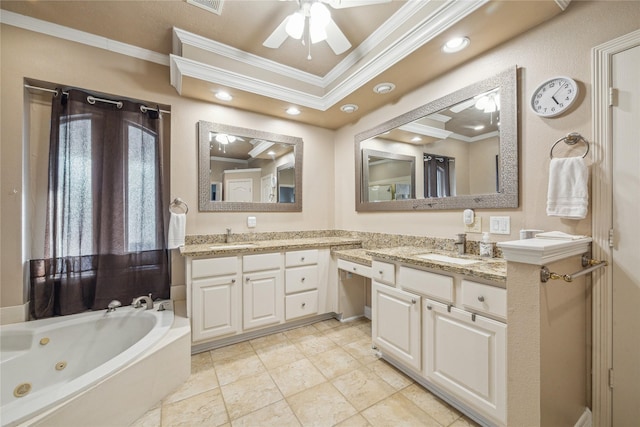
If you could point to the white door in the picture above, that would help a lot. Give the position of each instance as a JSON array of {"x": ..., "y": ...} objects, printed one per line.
[
  {"x": 396, "y": 323},
  {"x": 263, "y": 298},
  {"x": 625, "y": 259},
  {"x": 215, "y": 308},
  {"x": 268, "y": 189},
  {"x": 239, "y": 190},
  {"x": 466, "y": 355}
]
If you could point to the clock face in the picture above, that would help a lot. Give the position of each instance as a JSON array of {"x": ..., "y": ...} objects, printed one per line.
[{"x": 554, "y": 96}]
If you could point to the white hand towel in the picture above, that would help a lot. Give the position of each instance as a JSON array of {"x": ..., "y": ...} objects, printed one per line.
[
  {"x": 177, "y": 226},
  {"x": 568, "y": 193}
]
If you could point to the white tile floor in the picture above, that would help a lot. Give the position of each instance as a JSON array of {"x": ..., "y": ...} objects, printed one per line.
[{"x": 323, "y": 374}]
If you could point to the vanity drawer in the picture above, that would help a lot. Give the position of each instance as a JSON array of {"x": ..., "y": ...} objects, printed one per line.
[
  {"x": 261, "y": 262},
  {"x": 301, "y": 278},
  {"x": 355, "y": 268},
  {"x": 383, "y": 272},
  {"x": 483, "y": 298},
  {"x": 303, "y": 304},
  {"x": 437, "y": 286},
  {"x": 209, "y": 267},
  {"x": 296, "y": 258}
]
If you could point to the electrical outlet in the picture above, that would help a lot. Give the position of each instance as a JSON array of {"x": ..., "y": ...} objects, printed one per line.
[
  {"x": 251, "y": 222},
  {"x": 500, "y": 225},
  {"x": 476, "y": 227}
]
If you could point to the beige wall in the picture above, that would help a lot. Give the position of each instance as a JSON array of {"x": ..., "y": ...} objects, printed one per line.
[{"x": 559, "y": 47}]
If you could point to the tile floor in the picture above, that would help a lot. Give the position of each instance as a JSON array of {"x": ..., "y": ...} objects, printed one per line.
[{"x": 323, "y": 374}]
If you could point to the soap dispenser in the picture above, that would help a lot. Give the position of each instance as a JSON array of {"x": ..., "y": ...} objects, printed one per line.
[{"x": 486, "y": 247}]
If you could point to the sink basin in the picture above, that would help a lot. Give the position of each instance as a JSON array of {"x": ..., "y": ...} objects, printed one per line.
[
  {"x": 449, "y": 259},
  {"x": 232, "y": 246}
]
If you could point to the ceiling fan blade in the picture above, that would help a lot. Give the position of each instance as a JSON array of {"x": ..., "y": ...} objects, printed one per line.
[
  {"x": 463, "y": 105},
  {"x": 341, "y": 4},
  {"x": 278, "y": 36},
  {"x": 336, "y": 38}
]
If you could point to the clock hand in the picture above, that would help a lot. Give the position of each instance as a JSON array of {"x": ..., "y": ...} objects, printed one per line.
[{"x": 554, "y": 99}]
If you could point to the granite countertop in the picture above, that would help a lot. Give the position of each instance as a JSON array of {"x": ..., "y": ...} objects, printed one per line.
[
  {"x": 259, "y": 246},
  {"x": 494, "y": 269}
]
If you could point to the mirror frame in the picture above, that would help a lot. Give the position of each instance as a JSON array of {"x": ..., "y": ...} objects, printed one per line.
[
  {"x": 204, "y": 168},
  {"x": 508, "y": 176}
]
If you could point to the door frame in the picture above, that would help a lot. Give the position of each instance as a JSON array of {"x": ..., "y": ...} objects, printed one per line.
[{"x": 602, "y": 222}]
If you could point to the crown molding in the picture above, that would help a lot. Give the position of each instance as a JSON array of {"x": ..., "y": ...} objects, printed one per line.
[
  {"x": 66, "y": 33},
  {"x": 563, "y": 4}
]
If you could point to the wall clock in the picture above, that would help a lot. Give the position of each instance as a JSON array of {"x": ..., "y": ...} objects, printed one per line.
[{"x": 554, "y": 96}]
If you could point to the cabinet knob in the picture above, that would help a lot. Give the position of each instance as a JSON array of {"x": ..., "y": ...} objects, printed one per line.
[
  {"x": 380, "y": 272},
  {"x": 247, "y": 279},
  {"x": 302, "y": 259},
  {"x": 355, "y": 269},
  {"x": 304, "y": 304},
  {"x": 429, "y": 307},
  {"x": 233, "y": 280},
  {"x": 413, "y": 301},
  {"x": 481, "y": 298}
]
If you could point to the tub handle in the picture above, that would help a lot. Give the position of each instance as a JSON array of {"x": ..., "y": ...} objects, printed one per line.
[{"x": 113, "y": 305}]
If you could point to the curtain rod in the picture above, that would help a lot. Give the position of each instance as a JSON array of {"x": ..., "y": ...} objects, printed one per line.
[{"x": 93, "y": 99}]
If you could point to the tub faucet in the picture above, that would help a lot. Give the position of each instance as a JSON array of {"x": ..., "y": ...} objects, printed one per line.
[
  {"x": 227, "y": 237},
  {"x": 113, "y": 305},
  {"x": 147, "y": 300},
  {"x": 461, "y": 240}
]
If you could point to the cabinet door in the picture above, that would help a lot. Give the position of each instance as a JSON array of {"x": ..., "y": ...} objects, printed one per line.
[
  {"x": 396, "y": 323},
  {"x": 466, "y": 355},
  {"x": 263, "y": 298},
  {"x": 216, "y": 307}
]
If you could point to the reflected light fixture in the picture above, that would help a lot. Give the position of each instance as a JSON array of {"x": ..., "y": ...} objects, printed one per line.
[
  {"x": 489, "y": 103},
  {"x": 456, "y": 44}
]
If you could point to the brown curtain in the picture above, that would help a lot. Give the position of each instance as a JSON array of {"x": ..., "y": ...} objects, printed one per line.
[{"x": 105, "y": 234}]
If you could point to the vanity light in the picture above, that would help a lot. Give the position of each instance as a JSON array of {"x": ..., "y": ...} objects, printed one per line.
[
  {"x": 223, "y": 96},
  {"x": 383, "y": 88},
  {"x": 349, "y": 108},
  {"x": 456, "y": 44},
  {"x": 293, "y": 111}
]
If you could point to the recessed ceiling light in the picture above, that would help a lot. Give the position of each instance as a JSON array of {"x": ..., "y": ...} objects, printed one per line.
[
  {"x": 293, "y": 111},
  {"x": 456, "y": 44},
  {"x": 416, "y": 139},
  {"x": 223, "y": 96},
  {"x": 349, "y": 108},
  {"x": 383, "y": 88}
]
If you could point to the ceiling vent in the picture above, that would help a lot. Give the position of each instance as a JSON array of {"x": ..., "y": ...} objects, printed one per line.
[{"x": 214, "y": 6}]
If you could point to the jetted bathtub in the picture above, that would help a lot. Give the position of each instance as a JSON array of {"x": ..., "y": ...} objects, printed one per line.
[{"x": 94, "y": 368}]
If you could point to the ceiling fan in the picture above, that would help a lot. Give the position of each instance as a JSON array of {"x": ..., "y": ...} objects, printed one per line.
[{"x": 312, "y": 23}]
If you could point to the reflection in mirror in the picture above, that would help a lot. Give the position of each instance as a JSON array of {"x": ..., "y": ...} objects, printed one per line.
[
  {"x": 240, "y": 169},
  {"x": 468, "y": 145},
  {"x": 389, "y": 176}
]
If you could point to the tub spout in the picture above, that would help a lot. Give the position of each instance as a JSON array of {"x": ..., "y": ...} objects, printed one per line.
[
  {"x": 113, "y": 305},
  {"x": 147, "y": 300}
]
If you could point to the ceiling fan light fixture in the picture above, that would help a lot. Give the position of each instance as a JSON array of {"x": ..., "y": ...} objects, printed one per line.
[
  {"x": 295, "y": 25},
  {"x": 383, "y": 88},
  {"x": 293, "y": 111},
  {"x": 456, "y": 44},
  {"x": 349, "y": 108}
]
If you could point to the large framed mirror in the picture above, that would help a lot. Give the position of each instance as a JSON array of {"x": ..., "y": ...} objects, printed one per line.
[
  {"x": 247, "y": 170},
  {"x": 464, "y": 148}
]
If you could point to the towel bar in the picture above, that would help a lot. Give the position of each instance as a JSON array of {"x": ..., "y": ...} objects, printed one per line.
[
  {"x": 571, "y": 139},
  {"x": 590, "y": 264},
  {"x": 179, "y": 203}
]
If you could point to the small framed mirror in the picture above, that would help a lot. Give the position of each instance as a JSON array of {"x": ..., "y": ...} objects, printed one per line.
[
  {"x": 247, "y": 170},
  {"x": 463, "y": 149}
]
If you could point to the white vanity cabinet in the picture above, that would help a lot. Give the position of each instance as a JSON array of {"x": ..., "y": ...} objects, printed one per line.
[
  {"x": 301, "y": 283},
  {"x": 465, "y": 354},
  {"x": 395, "y": 320},
  {"x": 215, "y": 297},
  {"x": 262, "y": 290}
]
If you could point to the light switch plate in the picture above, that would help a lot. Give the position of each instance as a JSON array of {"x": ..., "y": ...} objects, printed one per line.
[
  {"x": 251, "y": 222},
  {"x": 476, "y": 227},
  {"x": 500, "y": 225}
]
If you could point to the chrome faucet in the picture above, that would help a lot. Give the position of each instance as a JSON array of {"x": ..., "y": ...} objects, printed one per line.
[
  {"x": 113, "y": 305},
  {"x": 461, "y": 240},
  {"x": 147, "y": 300},
  {"x": 227, "y": 237}
]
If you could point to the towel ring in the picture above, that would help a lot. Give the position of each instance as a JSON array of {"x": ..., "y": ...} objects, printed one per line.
[
  {"x": 179, "y": 203},
  {"x": 571, "y": 139}
]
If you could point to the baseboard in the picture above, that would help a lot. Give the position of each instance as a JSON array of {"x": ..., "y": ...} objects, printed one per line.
[
  {"x": 14, "y": 314},
  {"x": 586, "y": 419}
]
